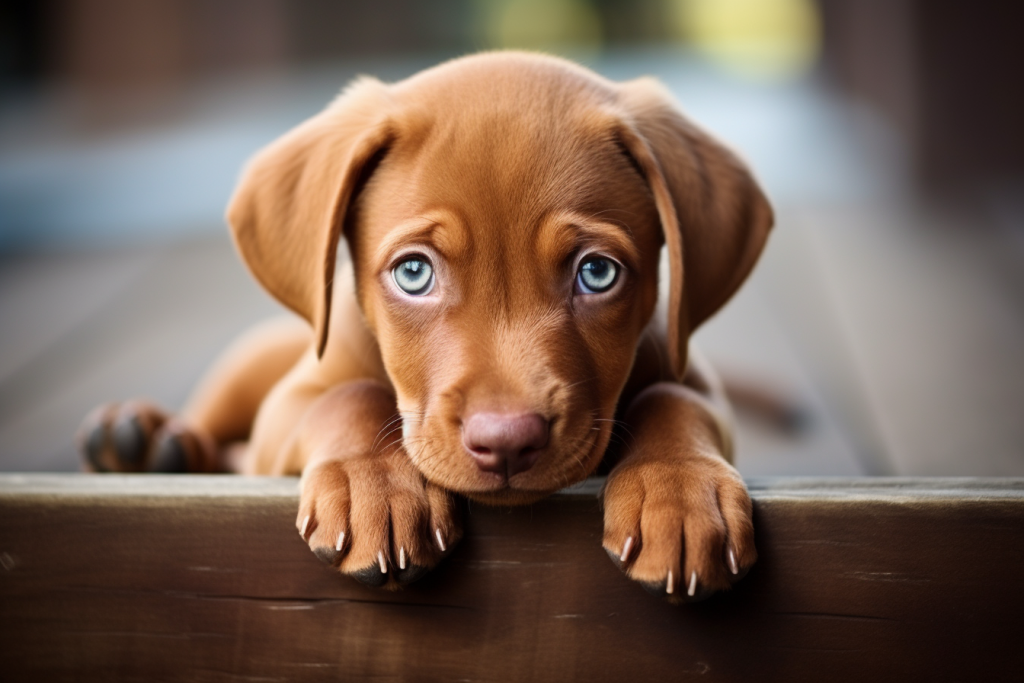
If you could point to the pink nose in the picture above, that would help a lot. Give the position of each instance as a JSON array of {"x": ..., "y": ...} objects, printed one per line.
[{"x": 505, "y": 443}]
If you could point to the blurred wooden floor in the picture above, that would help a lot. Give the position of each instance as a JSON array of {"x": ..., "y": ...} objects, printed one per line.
[{"x": 900, "y": 337}]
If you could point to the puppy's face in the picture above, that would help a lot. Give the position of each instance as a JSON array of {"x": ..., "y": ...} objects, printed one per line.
[
  {"x": 504, "y": 213},
  {"x": 507, "y": 264}
]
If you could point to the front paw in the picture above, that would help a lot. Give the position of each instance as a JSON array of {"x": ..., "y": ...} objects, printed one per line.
[
  {"x": 376, "y": 519},
  {"x": 681, "y": 528}
]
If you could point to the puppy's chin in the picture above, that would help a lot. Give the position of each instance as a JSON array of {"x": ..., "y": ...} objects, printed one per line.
[
  {"x": 506, "y": 497},
  {"x": 505, "y": 494},
  {"x": 500, "y": 494}
]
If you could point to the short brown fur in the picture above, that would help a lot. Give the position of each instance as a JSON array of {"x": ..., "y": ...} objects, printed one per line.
[{"x": 503, "y": 170}]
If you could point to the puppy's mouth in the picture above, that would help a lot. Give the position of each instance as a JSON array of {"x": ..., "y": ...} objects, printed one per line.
[{"x": 555, "y": 468}]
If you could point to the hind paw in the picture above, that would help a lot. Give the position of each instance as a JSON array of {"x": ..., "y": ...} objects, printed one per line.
[{"x": 136, "y": 436}]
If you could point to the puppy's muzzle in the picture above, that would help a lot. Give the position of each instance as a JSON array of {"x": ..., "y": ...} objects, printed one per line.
[{"x": 504, "y": 443}]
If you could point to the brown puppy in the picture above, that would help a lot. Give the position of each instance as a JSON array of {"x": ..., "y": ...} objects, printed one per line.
[{"x": 505, "y": 214}]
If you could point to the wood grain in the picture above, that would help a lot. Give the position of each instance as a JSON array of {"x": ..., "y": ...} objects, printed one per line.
[{"x": 204, "y": 579}]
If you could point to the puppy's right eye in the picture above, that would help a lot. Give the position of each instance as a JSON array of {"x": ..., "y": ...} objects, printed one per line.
[
  {"x": 597, "y": 275},
  {"x": 414, "y": 276}
]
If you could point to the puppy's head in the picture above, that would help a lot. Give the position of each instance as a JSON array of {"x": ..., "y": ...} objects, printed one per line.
[{"x": 505, "y": 214}]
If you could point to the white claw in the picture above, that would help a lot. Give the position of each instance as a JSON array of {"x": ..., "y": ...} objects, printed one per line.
[
  {"x": 626, "y": 548},
  {"x": 401, "y": 558},
  {"x": 668, "y": 586},
  {"x": 341, "y": 541},
  {"x": 440, "y": 541},
  {"x": 305, "y": 523},
  {"x": 732, "y": 562},
  {"x": 693, "y": 584},
  {"x": 383, "y": 564}
]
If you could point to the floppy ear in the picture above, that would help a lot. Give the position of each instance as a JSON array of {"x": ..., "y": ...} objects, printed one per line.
[
  {"x": 289, "y": 207},
  {"x": 714, "y": 216}
]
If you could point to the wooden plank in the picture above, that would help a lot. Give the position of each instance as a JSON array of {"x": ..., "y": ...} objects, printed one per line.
[{"x": 204, "y": 579}]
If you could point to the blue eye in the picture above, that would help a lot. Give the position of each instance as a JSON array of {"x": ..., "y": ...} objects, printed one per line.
[
  {"x": 597, "y": 275},
  {"x": 414, "y": 276}
]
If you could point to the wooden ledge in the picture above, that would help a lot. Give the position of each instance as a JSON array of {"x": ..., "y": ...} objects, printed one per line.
[{"x": 198, "y": 578}]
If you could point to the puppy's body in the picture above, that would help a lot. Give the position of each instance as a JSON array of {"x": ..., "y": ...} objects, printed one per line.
[{"x": 505, "y": 215}]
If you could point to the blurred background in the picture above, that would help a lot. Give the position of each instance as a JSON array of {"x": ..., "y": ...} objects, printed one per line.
[{"x": 886, "y": 317}]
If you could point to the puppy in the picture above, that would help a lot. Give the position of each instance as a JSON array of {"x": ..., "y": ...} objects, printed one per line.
[{"x": 493, "y": 337}]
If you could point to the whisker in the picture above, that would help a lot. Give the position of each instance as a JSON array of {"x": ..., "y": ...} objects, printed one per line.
[
  {"x": 386, "y": 425},
  {"x": 373, "y": 448},
  {"x": 390, "y": 444},
  {"x": 582, "y": 381},
  {"x": 623, "y": 426}
]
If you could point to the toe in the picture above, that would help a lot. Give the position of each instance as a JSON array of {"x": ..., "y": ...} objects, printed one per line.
[
  {"x": 661, "y": 528},
  {"x": 623, "y": 500},
  {"x": 95, "y": 441},
  {"x": 410, "y": 531},
  {"x": 183, "y": 448},
  {"x": 445, "y": 521},
  {"x": 411, "y": 573},
  {"x": 737, "y": 511},
  {"x": 323, "y": 519},
  {"x": 171, "y": 455},
  {"x": 325, "y": 532},
  {"x": 327, "y": 555},
  {"x": 130, "y": 439},
  {"x": 704, "y": 537},
  {"x": 368, "y": 537},
  {"x": 370, "y": 576},
  {"x": 92, "y": 439}
]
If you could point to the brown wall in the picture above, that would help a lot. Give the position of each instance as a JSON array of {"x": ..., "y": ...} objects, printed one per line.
[{"x": 949, "y": 74}]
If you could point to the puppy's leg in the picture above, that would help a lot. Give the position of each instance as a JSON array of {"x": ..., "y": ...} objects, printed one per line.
[
  {"x": 138, "y": 436},
  {"x": 677, "y": 514},
  {"x": 225, "y": 402},
  {"x": 364, "y": 507}
]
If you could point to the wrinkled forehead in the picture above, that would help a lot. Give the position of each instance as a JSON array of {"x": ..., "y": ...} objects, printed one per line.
[
  {"x": 510, "y": 151},
  {"x": 505, "y": 164}
]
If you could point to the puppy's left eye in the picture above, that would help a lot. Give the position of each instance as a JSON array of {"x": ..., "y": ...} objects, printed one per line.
[
  {"x": 597, "y": 275},
  {"x": 414, "y": 276}
]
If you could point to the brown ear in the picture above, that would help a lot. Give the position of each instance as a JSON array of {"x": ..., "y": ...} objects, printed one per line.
[
  {"x": 289, "y": 207},
  {"x": 714, "y": 216}
]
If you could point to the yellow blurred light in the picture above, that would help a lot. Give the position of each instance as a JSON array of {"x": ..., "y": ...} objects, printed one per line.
[
  {"x": 547, "y": 25},
  {"x": 760, "y": 39}
]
